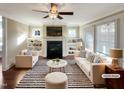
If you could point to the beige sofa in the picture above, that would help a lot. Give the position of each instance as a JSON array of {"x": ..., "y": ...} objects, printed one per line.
[
  {"x": 26, "y": 61},
  {"x": 93, "y": 70}
]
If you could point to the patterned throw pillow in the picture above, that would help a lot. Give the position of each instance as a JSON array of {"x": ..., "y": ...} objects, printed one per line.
[
  {"x": 97, "y": 59},
  {"x": 90, "y": 57}
]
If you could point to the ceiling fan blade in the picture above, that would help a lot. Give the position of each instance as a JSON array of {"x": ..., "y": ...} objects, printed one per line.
[
  {"x": 40, "y": 11},
  {"x": 46, "y": 16},
  {"x": 59, "y": 17},
  {"x": 66, "y": 13}
]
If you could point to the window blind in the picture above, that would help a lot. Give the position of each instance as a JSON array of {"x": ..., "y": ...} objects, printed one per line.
[{"x": 105, "y": 37}]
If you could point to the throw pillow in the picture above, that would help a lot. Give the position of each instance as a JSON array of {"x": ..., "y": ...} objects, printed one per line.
[
  {"x": 97, "y": 59},
  {"x": 90, "y": 57}
]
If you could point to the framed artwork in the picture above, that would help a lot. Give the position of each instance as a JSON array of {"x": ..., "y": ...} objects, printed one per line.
[{"x": 36, "y": 32}]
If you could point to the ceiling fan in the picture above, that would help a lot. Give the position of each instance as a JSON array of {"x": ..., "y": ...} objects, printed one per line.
[{"x": 53, "y": 12}]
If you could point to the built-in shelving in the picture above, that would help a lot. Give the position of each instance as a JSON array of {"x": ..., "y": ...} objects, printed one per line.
[
  {"x": 34, "y": 44},
  {"x": 72, "y": 45}
]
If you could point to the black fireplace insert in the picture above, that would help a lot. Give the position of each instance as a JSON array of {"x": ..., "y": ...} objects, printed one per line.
[{"x": 54, "y": 49}]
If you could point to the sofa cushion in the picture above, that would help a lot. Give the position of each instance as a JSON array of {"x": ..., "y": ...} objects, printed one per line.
[{"x": 87, "y": 64}]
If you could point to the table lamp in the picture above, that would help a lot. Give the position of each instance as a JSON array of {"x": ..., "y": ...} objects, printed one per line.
[{"x": 115, "y": 53}]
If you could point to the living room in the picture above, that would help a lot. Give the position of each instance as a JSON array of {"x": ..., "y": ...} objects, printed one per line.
[{"x": 31, "y": 42}]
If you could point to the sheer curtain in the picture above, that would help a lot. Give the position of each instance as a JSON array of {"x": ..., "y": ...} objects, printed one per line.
[
  {"x": 105, "y": 37},
  {"x": 89, "y": 37}
]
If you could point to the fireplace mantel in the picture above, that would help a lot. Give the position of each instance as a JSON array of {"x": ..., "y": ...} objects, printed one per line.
[{"x": 54, "y": 38}]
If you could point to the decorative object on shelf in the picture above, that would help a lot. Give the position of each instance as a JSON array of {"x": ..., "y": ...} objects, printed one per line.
[
  {"x": 115, "y": 53},
  {"x": 34, "y": 44},
  {"x": 56, "y": 61},
  {"x": 74, "y": 44}
]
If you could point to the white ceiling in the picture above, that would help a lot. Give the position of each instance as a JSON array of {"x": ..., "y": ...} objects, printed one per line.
[{"x": 83, "y": 12}]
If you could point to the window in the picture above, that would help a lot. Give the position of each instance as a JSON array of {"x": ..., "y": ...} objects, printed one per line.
[
  {"x": 72, "y": 32},
  {"x": 105, "y": 37}
]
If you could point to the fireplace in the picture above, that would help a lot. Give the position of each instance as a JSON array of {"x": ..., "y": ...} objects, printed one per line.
[{"x": 54, "y": 49}]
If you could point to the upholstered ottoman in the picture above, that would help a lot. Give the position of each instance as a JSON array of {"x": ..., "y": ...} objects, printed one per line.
[{"x": 56, "y": 80}]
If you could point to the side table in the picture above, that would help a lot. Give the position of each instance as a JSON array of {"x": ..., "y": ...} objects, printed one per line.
[{"x": 115, "y": 83}]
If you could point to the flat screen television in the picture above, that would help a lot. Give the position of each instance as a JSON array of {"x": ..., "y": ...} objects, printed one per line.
[{"x": 54, "y": 31}]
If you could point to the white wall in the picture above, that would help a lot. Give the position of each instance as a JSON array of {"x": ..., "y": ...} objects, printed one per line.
[
  {"x": 120, "y": 26},
  {"x": 32, "y": 27},
  {"x": 14, "y": 40}
]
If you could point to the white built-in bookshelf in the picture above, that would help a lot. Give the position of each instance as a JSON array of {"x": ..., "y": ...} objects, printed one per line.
[
  {"x": 73, "y": 45},
  {"x": 34, "y": 44}
]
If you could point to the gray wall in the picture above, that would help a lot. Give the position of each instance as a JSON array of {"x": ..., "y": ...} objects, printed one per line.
[{"x": 13, "y": 31}]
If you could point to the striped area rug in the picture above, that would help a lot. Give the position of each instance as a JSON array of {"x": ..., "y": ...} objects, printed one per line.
[{"x": 35, "y": 77}]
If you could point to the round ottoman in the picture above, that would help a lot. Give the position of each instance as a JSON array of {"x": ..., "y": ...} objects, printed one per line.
[{"x": 56, "y": 80}]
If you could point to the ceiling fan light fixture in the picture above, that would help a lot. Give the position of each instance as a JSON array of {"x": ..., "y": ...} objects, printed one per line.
[{"x": 53, "y": 15}]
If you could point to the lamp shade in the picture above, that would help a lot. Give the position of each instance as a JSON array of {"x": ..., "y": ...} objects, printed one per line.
[{"x": 116, "y": 53}]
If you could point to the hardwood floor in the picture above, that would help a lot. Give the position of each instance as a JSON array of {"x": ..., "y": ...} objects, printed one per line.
[
  {"x": 9, "y": 78},
  {"x": 12, "y": 77}
]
